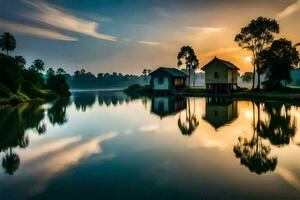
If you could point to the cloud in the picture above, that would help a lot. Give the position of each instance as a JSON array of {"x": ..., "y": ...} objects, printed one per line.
[
  {"x": 204, "y": 29},
  {"x": 151, "y": 43},
  {"x": 35, "y": 31},
  {"x": 289, "y": 10},
  {"x": 59, "y": 18}
]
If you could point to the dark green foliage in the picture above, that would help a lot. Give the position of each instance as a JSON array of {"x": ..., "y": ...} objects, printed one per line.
[
  {"x": 278, "y": 61},
  {"x": 18, "y": 83},
  {"x": 58, "y": 84},
  {"x": 4, "y": 91},
  {"x": 255, "y": 37},
  {"x": 11, "y": 73}
]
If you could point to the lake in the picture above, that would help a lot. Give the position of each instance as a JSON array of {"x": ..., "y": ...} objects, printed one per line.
[{"x": 107, "y": 145}]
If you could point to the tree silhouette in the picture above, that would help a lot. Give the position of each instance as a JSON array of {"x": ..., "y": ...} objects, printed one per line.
[
  {"x": 10, "y": 162},
  {"x": 280, "y": 128},
  {"x": 253, "y": 153},
  {"x": 278, "y": 60},
  {"x": 20, "y": 61},
  {"x": 188, "y": 57},
  {"x": 57, "y": 112},
  {"x": 60, "y": 71},
  {"x": 191, "y": 122},
  {"x": 256, "y": 36},
  {"x": 50, "y": 72},
  {"x": 38, "y": 65},
  {"x": 7, "y": 42}
]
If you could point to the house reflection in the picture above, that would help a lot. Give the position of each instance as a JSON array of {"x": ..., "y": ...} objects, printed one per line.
[
  {"x": 164, "y": 106},
  {"x": 220, "y": 111}
]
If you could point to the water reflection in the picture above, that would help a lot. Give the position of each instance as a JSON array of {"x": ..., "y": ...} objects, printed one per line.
[
  {"x": 15, "y": 121},
  {"x": 58, "y": 111},
  {"x": 189, "y": 122},
  {"x": 254, "y": 153},
  {"x": 164, "y": 106},
  {"x": 279, "y": 127},
  {"x": 273, "y": 124},
  {"x": 220, "y": 111}
]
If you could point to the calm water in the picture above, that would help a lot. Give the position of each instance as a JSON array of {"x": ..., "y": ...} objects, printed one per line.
[{"x": 109, "y": 146}]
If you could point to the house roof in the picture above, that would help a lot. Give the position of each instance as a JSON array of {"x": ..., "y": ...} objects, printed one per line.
[
  {"x": 218, "y": 61},
  {"x": 170, "y": 71}
]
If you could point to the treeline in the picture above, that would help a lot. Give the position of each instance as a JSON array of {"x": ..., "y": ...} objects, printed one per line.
[
  {"x": 87, "y": 80},
  {"x": 18, "y": 83}
]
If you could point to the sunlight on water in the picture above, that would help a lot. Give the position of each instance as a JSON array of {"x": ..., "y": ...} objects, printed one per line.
[{"x": 172, "y": 146}]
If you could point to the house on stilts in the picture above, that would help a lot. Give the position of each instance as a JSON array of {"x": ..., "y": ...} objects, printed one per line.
[{"x": 220, "y": 76}]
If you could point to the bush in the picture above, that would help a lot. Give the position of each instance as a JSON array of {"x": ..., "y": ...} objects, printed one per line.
[{"x": 4, "y": 91}]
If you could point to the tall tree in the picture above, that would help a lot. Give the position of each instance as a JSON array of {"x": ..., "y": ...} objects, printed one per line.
[
  {"x": 20, "y": 61},
  {"x": 187, "y": 57},
  {"x": 256, "y": 36},
  {"x": 38, "y": 65},
  {"x": 278, "y": 60},
  {"x": 7, "y": 42}
]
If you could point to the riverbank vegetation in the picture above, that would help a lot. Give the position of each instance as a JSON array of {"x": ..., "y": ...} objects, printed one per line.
[{"x": 20, "y": 84}]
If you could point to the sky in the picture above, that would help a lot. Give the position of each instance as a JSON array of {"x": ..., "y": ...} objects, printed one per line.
[{"x": 128, "y": 36}]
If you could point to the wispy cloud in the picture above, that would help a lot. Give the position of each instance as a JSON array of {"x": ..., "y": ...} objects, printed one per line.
[
  {"x": 57, "y": 17},
  {"x": 35, "y": 31},
  {"x": 150, "y": 43},
  {"x": 204, "y": 29},
  {"x": 289, "y": 10}
]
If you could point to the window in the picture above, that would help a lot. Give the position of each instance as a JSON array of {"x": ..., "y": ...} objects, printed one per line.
[
  {"x": 216, "y": 74},
  {"x": 160, "y": 80}
]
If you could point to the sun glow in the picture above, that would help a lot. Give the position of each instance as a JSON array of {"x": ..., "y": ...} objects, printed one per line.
[{"x": 248, "y": 59}]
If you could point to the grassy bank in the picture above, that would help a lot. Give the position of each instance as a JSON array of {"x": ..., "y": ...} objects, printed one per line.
[{"x": 7, "y": 97}]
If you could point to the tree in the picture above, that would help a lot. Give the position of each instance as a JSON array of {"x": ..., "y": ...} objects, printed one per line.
[
  {"x": 50, "y": 72},
  {"x": 256, "y": 36},
  {"x": 100, "y": 75},
  {"x": 7, "y": 42},
  {"x": 278, "y": 61},
  {"x": 187, "y": 57},
  {"x": 60, "y": 71},
  {"x": 20, "y": 61},
  {"x": 247, "y": 77},
  {"x": 38, "y": 65}
]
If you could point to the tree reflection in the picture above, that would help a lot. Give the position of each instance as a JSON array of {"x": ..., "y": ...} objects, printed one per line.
[
  {"x": 190, "y": 122},
  {"x": 57, "y": 112},
  {"x": 10, "y": 162},
  {"x": 280, "y": 127},
  {"x": 253, "y": 153},
  {"x": 84, "y": 100},
  {"x": 14, "y": 121}
]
